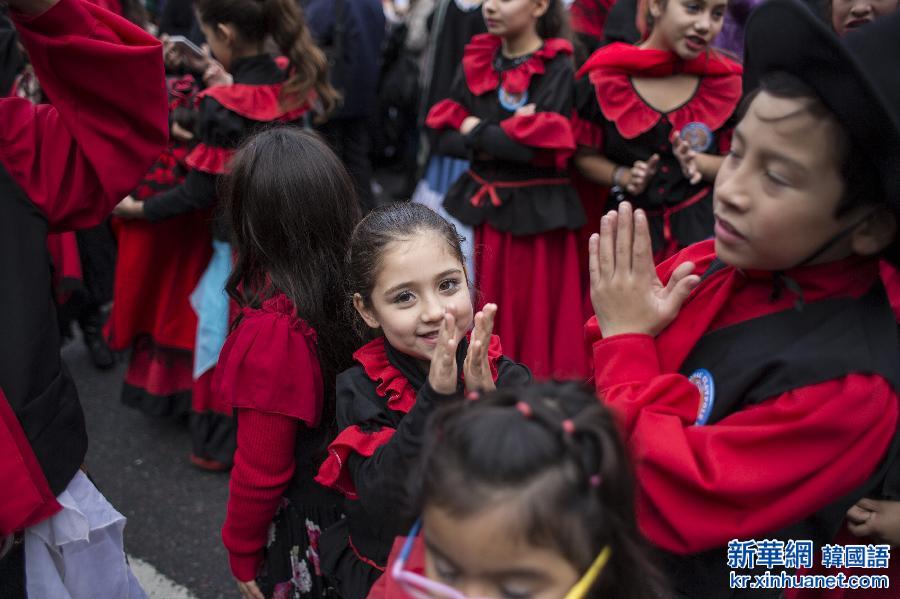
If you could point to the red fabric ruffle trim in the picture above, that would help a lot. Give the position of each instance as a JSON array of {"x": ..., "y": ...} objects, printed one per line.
[
  {"x": 589, "y": 16},
  {"x": 257, "y": 102},
  {"x": 446, "y": 114},
  {"x": 270, "y": 363},
  {"x": 32, "y": 500},
  {"x": 610, "y": 70},
  {"x": 334, "y": 473},
  {"x": 391, "y": 384},
  {"x": 209, "y": 159},
  {"x": 478, "y": 64},
  {"x": 543, "y": 130}
]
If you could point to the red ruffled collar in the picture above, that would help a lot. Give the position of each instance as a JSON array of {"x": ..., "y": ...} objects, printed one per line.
[
  {"x": 392, "y": 384},
  {"x": 282, "y": 305},
  {"x": 256, "y": 102},
  {"x": 610, "y": 71},
  {"x": 478, "y": 64}
]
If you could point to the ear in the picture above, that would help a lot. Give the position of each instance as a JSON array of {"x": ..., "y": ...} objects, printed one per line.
[
  {"x": 540, "y": 8},
  {"x": 226, "y": 32},
  {"x": 875, "y": 234},
  {"x": 368, "y": 315},
  {"x": 656, "y": 8}
]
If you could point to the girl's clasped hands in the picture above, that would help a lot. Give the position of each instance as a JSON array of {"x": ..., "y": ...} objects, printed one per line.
[{"x": 476, "y": 368}]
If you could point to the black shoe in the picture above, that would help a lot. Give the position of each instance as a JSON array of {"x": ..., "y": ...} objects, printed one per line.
[{"x": 101, "y": 355}]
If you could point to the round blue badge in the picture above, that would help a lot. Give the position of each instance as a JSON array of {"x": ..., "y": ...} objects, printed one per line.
[
  {"x": 512, "y": 102},
  {"x": 698, "y": 136},
  {"x": 703, "y": 380}
]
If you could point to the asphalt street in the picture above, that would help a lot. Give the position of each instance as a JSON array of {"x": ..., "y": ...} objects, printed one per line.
[{"x": 174, "y": 510}]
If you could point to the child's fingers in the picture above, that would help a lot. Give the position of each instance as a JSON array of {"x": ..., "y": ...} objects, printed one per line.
[
  {"x": 489, "y": 311},
  {"x": 652, "y": 165},
  {"x": 679, "y": 287},
  {"x": 624, "y": 238},
  {"x": 870, "y": 505},
  {"x": 642, "y": 259},
  {"x": 608, "y": 245},
  {"x": 863, "y": 529},
  {"x": 857, "y": 515},
  {"x": 594, "y": 269}
]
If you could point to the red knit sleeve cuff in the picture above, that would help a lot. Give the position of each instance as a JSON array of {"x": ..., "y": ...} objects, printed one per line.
[
  {"x": 446, "y": 114},
  {"x": 245, "y": 567},
  {"x": 623, "y": 359}
]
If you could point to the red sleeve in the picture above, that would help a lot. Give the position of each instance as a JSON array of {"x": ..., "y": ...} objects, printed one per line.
[
  {"x": 269, "y": 363},
  {"x": 549, "y": 131},
  {"x": 334, "y": 471},
  {"x": 755, "y": 471},
  {"x": 446, "y": 114},
  {"x": 109, "y": 119},
  {"x": 263, "y": 467}
]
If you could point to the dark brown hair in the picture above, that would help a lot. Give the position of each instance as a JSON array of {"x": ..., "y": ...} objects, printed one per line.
[
  {"x": 283, "y": 20},
  {"x": 382, "y": 226},
  {"x": 552, "y": 451},
  {"x": 290, "y": 207},
  {"x": 555, "y": 22}
]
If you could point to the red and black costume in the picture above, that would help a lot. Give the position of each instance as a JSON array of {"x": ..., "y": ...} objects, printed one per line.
[
  {"x": 613, "y": 118},
  {"x": 588, "y": 21},
  {"x": 228, "y": 115},
  {"x": 62, "y": 167},
  {"x": 518, "y": 196},
  {"x": 158, "y": 267},
  {"x": 803, "y": 412},
  {"x": 382, "y": 406},
  {"x": 269, "y": 373}
]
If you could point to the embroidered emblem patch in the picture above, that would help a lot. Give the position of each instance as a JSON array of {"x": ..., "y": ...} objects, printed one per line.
[
  {"x": 698, "y": 136},
  {"x": 512, "y": 102},
  {"x": 703, "y": 380}
]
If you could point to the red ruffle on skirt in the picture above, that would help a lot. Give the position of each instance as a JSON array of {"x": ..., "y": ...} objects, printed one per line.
[
  {"x": 536, "y": 284},
  {"x": 158, "y": 380},
  {"x": 158, "y": 268}
]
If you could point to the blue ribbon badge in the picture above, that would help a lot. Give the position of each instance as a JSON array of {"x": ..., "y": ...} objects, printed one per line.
[
  {"x": 512, "y": 102},
  {"x": 703, "y": 380},
  {"x": 698, "y": 136}
]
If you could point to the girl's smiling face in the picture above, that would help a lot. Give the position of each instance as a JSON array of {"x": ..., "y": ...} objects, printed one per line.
[{"x": 419, "y": 279}]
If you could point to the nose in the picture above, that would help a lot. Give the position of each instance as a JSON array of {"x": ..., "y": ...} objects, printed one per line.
[
  {"x": 731, "y": 188},
  {"x": 703, "y": 24},
  {"x": 432, "y": 309},
  {"x": 488, "y": 6},
  {"x": 860, "y": 9}
]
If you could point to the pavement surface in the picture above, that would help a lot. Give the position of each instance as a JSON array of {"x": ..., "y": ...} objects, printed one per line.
[{"x": 175, "y": 511}]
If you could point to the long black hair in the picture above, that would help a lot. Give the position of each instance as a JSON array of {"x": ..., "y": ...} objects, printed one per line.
[
  {"x": 290, "y": 207},
  {"x": 556, "y": 449}
]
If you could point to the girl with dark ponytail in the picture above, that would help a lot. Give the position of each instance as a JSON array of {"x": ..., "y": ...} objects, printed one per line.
[
  {"x": 248, "y": 90},
  {"x": 526, "y": 492}
]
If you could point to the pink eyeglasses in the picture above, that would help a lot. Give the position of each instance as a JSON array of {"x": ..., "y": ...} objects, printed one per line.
[{"x": 422, "y": 587}]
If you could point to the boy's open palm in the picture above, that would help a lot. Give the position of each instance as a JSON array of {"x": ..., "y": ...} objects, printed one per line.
[
  {"x": 477, "y": 368},
  {"x": 626, "y": 292}
]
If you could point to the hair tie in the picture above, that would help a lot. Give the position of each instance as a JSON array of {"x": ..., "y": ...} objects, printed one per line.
[
  {"x": 595, "y": 480},
  {"x": 473, "y": 395},
  {"x": 568, "y": 426},
  {"x": 526, "y": 410}
]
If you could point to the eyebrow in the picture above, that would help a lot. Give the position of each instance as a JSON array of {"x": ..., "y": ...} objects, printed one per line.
[
  {"x": 400, "y": 286},
  {"x": 770, "y": 155}
]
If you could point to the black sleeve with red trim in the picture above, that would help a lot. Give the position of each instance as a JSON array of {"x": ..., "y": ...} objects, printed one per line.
[
  {"x": 587, "y": 119},
  {"x": 380, "y": 480},
  {"x": 197, "y": 191},
  {"x": 492, "y": 139},
  {"x": 549, "y": 129},
  {"x": 219, "y": 132}
]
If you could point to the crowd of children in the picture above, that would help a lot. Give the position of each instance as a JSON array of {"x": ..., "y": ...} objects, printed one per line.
[{"x": 688, "y": 249}]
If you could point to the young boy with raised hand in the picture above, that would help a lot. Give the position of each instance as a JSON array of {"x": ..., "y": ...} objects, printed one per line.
[{"x": 756, "y": 374}]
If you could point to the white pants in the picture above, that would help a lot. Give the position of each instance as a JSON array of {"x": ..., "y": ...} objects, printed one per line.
[{"x": 78, "y": 553}]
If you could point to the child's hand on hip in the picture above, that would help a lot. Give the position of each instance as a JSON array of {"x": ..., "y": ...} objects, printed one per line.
[
  {"x": 626, "y": 292},
  {"x": 442, "y": 374},
  {"x": 477, "y": 368}
]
